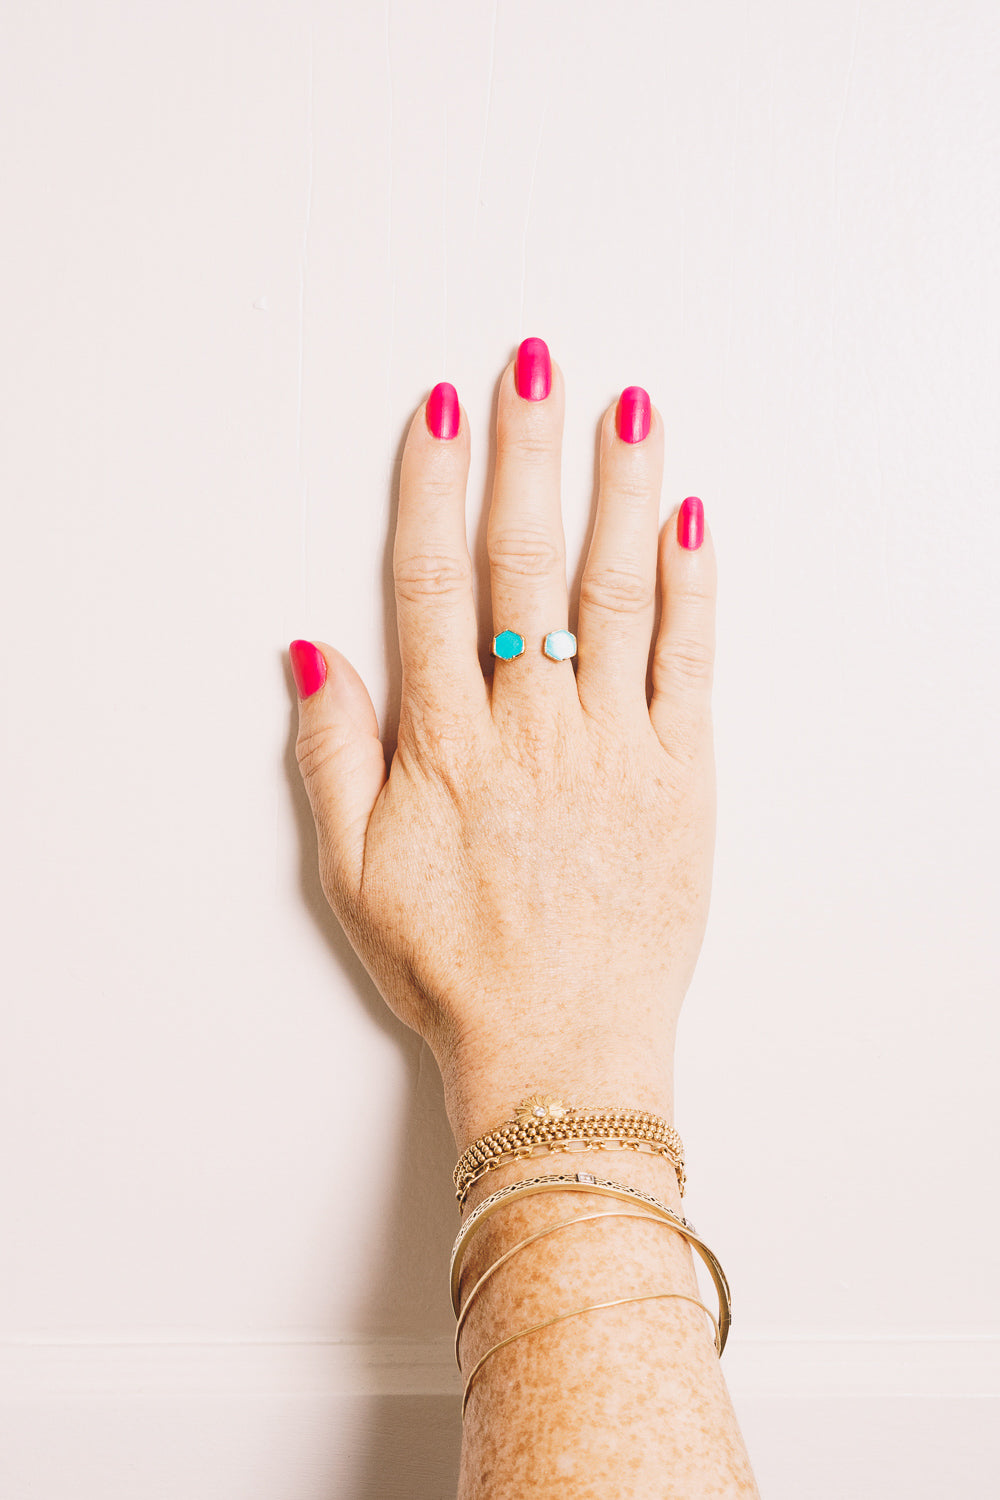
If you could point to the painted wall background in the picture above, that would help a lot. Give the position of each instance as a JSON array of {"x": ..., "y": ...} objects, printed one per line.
[{"x": 241, "y": 243}]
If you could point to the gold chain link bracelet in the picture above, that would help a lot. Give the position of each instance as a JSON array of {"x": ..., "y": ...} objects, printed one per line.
[{"x": 544, "y": 1124}]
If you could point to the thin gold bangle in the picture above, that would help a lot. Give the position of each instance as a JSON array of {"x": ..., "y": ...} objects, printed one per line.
[
  {"x": 540, "y": 1235},
  {"x": 584, "y": 1182},
  {"x": 594, "y": 1307}
]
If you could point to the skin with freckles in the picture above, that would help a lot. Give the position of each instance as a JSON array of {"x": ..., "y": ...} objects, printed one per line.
[
  {"x": 528, "y": 885},
  {"x": 628, "y": 1401}
]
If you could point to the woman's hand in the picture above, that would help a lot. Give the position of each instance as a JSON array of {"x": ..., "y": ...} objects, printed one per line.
[{"x": 528, "y": 885}]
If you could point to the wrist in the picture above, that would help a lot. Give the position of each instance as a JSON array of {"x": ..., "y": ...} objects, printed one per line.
[{"x": 480, "y": 1096}]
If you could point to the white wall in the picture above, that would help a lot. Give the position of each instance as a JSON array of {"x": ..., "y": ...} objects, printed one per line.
[{"x": 241, "y": 243}]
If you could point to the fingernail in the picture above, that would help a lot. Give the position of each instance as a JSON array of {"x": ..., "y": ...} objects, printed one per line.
[
  {"x": 691, "y": 523},
  {"x": 308, "y": 667},
  {"x": 533, "y": 370},
  {"x": 444, "y": 415},
  {"x": 634, "y": 414}
]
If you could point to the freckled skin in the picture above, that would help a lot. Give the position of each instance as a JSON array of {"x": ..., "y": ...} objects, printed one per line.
[
  {"x": 527, "y": 881},
  {"x": 649, "y": 1370},
  {"x": 599, "y": 843}
]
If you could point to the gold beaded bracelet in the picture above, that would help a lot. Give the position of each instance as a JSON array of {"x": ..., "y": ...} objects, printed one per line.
[{"x": 546, "y": 1124}]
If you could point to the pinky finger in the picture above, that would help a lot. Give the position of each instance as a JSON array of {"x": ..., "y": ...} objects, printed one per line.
[{"x": 684, "y": 648}]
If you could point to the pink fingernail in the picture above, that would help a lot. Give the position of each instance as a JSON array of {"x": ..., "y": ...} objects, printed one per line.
[
  {"x": 533, "y": 370},
  {"x": 691, "y": 523},
  {"x": 308, "y": 667},
  {"x": 634, "y": 414},
  {"x": 444, "y": 415}
]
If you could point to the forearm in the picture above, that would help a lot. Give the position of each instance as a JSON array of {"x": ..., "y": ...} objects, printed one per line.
[{"x": 623, "y": 1401}]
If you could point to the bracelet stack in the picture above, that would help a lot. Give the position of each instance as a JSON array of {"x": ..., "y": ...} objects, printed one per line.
[{"x": 545, "y": 1124}]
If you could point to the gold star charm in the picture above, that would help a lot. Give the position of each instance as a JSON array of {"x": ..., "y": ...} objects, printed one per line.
[{"x": 539, "y": 1107}]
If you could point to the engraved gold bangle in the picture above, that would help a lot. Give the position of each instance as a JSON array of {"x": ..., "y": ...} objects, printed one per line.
[
  {"x": 593, "y": 1307},
  {"x": 540, "y": 1234},
  {"x": 583, "y": 1182},
  {"x": 570, "y": 1147}
]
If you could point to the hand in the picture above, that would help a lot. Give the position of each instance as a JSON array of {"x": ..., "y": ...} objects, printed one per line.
[{"x": 528, "y": 884}]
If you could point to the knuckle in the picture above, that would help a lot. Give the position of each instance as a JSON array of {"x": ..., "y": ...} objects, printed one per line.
[
  {"x": 532, "y": 448},
  {"x": 445, "y": 750},
  {"x": 525, "y": 554},
  {"x": 632, "y": 492},
  {"x": 617, "y": 591},
  {"x": 687, "y": 661},
  {"x": 315, "y": 749},
  {"x": 686, "y": 738},
  {"x": 530, "y": 440},
  {"x": 431, "y": 576},
  {"x": 698, "y": 597},
  {"x": 437, "y": 481},
  {"x": 430, "y": 744}
]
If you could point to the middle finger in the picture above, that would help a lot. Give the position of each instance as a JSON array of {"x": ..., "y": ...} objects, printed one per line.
[{"x": 525, "y": 541}]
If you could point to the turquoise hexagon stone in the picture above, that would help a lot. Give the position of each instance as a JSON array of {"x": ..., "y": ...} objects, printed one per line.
[
  {"x": 560, "y": 645},
  {"x": 508, "y": 644}
]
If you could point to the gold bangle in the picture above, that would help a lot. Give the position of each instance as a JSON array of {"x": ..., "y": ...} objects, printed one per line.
[
  {"x": 540, "y": 1235},
  {"x": 547, "y": 1121},
  {"x": 594, "y": 1307},
  {"x": 583, "y": 1182}
]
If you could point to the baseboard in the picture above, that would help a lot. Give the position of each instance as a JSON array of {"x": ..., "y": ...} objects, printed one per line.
[
  {"x": 157, "y": 1417},
  {"x": 157, "y": 1363}
]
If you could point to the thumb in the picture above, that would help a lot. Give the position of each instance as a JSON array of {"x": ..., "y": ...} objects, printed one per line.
[{"x": 340, "y": 757}]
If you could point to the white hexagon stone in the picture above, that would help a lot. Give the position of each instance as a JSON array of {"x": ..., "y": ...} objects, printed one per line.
[{"x": 560, "y": 645}]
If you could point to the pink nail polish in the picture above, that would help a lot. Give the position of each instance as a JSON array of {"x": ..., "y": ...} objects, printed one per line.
[
  {"x": 308, "y": 667},
  {"x": 444, "y": 415},
  {"x": 691, "y": 523},
  {"x": 533, "y": 370},
  {"x": 634, "y": 414}
]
